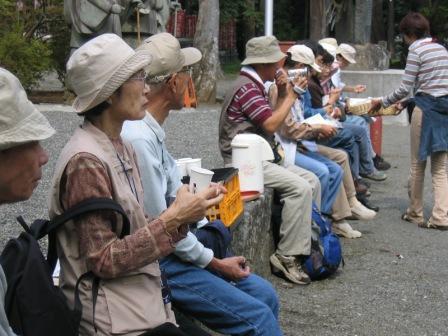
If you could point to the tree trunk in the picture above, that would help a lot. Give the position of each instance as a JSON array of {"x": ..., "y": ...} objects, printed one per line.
[
  {"x": 378, "y": 27},
  {"x": 318, "y": 24},
  {"x": 391, "y": 28},
  {"x": 206, "y": 40},
  {"x": 363, "y": 21}
]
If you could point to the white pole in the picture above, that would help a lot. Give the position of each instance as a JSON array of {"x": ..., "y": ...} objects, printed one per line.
[{"x": 268, "y": 17}]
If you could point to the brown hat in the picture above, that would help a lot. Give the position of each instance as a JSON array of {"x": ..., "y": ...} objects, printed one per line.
[
  {"x": 263, "y": 49},
  {"x": 20, "y": 121}
]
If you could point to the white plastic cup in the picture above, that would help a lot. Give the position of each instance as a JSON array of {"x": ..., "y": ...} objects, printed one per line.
[
  {"x": 200, "y": 179},
  {"x": 193, "y": 163},
  {"x": 182, "y": 166}
]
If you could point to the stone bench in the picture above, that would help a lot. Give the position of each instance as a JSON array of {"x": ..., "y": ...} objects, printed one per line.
[{"x": 253, "y": 236}]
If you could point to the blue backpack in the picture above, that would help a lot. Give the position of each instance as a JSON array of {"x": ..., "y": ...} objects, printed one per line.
[{"x": 326, "y": 251}]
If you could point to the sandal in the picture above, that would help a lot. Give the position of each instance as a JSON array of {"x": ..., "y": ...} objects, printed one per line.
[
  {"x": 406, "y": 217},
  {"x": 429, "y": 225}
]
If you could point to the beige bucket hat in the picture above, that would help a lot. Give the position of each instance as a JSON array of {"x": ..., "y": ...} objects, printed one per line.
[
  {"x": 348, "y": 52},
  {"x": 167, "y": 55},
  {"x": 99, "y": 67},
  {"x": 263, "y": 49},
  {"x": 302, "y": 54},
  {"x": 20, "y": 121}
]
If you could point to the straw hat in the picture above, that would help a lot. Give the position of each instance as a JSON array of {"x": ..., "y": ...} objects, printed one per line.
[
  {"x": 347, "y": 51},
  {"x": 99, "y": 67},
  {"x": 263, "y": 49},
  {"x": 302, "y": 54},
  {"x": 20, "y": 121},
  {"x": 167, "y": 55}
]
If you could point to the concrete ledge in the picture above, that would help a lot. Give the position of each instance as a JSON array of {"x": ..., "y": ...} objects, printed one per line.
[{"x": 253, "y": 237}]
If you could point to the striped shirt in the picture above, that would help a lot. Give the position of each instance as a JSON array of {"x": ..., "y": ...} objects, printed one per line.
[
  {"x": 250, "y": 101},
  {"x": 426, "y": 71}
]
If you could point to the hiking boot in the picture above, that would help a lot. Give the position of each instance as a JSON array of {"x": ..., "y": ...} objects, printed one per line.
[
  {"x": 380, "y": 163},
  {"x": 290, "y": 268},
  {"x": 375, "y": 176},
  {"x": 359, "y": 211},
  {"x": 343, "y": 229}
]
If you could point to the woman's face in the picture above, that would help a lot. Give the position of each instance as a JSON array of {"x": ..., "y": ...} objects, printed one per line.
[{"x": 129, "y": 102}]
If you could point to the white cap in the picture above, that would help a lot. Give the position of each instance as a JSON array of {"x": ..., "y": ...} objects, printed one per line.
[
  {"x": 167, "y": 55},
  {"x": 302, "y": 54},
  {"x": 347, "y": 51},
  {"x": 331, "y": 49},
  {"x": 329, "y": 40}
]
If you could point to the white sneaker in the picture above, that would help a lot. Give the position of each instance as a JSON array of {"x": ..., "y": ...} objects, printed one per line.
[
  {"x": 359, "y": 211},
  {"x": 342, "y": 228}
]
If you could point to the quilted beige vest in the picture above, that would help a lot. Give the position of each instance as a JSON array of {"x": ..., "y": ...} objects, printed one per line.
[{"x": 127, "y": 305}]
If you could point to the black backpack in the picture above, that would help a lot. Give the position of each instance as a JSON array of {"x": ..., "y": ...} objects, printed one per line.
[{"x": 33, "y": 304}]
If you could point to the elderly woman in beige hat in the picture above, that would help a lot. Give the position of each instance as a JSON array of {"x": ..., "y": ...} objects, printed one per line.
[
  {"x": 22, "y": 126},
  {"x": 108, "y": 79}
]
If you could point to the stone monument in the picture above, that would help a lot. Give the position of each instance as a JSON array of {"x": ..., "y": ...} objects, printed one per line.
[{"x": 127, "y": 18}]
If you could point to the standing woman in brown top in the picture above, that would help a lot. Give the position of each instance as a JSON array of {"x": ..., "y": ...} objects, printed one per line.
[{"x": 107, "y": 78}]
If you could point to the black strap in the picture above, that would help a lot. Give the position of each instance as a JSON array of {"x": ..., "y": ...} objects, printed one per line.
[{"x": 40, "y": 228}]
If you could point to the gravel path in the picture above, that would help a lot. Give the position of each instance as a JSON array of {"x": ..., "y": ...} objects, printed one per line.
[{"x": 394, "y": 279}]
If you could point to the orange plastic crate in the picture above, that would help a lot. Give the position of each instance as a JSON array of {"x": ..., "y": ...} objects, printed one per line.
[{"x": 231, "y": 207}]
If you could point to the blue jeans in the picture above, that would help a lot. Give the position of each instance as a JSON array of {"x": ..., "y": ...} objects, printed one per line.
[
  {"x": 363, "y": 153},
  {"x": 329, "y": 173},
  {"x": 361, "y": 121},
  {"x": 248, "y": 307}
]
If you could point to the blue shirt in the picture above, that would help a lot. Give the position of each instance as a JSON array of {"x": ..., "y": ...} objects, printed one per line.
[{"x": 161, "y": 180}]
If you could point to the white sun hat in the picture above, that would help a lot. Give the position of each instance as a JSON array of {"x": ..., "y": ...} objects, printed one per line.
[
  {"x": 99, "y": 67},
  {"x": 302, "y": 54},
  {"x": 348, "y": 52},
  {"x": 20, "y": 121}
]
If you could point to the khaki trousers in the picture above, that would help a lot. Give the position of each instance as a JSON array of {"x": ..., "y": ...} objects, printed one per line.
[
  {"x": 297, "y": 188},
  {"x": 341, "y": 207},
  {"x": 417, "y": 176}
]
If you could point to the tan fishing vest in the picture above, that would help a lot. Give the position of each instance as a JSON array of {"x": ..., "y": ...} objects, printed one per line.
[
  {"x": 127, "y": 305},
  {"x": 229, "y": 129}
]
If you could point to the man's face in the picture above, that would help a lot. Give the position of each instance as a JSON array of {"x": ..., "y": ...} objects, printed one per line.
[
  {"x": 343, "y": 63},
  {"x": 270, "y": 70},
  {"x": 20, "y": 171}
]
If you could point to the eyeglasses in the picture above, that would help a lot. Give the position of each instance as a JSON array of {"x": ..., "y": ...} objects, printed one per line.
[{"x": 139, "y": 76}]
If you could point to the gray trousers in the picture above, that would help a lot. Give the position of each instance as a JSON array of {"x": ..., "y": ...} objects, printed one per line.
[{"x": 297, "y": 188}]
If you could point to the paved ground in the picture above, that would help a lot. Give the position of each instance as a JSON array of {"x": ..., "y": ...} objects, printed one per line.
[{"x": 394, "y": 280}]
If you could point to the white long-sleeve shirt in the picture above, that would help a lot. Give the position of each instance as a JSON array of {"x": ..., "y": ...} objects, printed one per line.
[{"x": 161, "y": 180}]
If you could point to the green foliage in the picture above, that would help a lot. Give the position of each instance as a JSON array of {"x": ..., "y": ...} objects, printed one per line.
[
  {"x": 21, "y": 52},
  {"x": 26, "y": 58}
]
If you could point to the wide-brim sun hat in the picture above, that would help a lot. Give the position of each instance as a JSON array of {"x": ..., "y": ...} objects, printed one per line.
[
  {"x": 302, "y": 54},
  {"x": 99, "y": 67},
  {"x": 167, "y": 55},
  {"x": 20, "y": 121},
  {"x": 263, "y": 49},
  {"x": 348, "y": 52}
]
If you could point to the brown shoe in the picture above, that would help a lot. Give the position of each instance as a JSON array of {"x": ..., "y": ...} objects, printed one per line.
[{"x": 361, "y": 189}]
